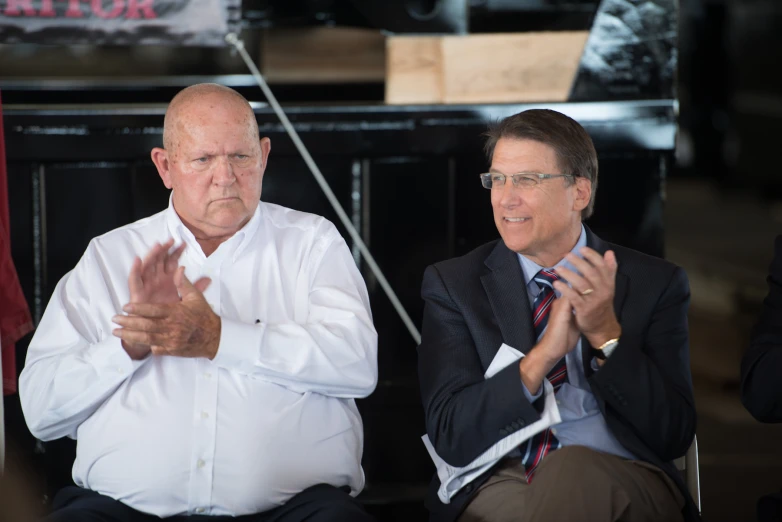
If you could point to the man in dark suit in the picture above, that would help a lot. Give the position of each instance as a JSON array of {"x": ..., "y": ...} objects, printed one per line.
[
  {"x": 554, "y": 367},
  {"x": 761, "y": 367},
  {"x": 761, "y": 370}
]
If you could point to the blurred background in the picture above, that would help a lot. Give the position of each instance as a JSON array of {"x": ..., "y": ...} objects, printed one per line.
[{"x": 391, "y": 98}]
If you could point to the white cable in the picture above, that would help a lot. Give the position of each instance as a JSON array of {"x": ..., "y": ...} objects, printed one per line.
[{"x": 234, "y": 40}]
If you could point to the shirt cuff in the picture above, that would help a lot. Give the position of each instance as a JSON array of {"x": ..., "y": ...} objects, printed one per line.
[
  {"x": 532, "y": 398},
  {"x": 236, "y": 339},
  {"x": 110, "y": 358}
]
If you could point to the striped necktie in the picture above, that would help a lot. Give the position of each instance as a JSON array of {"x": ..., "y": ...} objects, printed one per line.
[{"x": 544, "y": 442}]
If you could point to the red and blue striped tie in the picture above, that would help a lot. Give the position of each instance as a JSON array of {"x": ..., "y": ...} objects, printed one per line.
[{"x": 544, "y": 442}]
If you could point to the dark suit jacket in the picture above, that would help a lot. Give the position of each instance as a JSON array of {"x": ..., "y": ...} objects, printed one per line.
[
  {"x": 761, "y": 367},
  {"x": 475, "y": 303}
]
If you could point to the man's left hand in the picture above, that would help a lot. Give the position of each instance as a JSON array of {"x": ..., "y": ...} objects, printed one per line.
[
  {"x": 188, "y": 328},
  {"x": 592, "y": 294}
]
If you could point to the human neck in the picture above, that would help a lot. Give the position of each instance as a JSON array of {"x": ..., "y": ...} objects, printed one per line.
[
  {"x": 210, "y": 240},
  {"x": 209, "y": 245},
  {"x": 557, "y": 250}
]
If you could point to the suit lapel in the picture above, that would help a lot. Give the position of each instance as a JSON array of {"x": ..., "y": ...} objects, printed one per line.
[
  {"x": 505, "y": 288},
  {"x": 620, "y": 293}
]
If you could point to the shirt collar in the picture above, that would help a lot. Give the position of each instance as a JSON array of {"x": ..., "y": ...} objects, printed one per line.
[
  {"x": 530, "y": 268},
  {"x": 180, "y": 232}
]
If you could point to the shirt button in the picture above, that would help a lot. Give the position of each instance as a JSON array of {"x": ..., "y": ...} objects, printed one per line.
[
  {"x": 200, "y": 463},
  {"x": 200, "y": 510},
  {"x": 559, "y": 402},
  {"x": 204, "y": 415},
  {"x": 553, "y": 431},
  {"x": 208, "y": 375}
]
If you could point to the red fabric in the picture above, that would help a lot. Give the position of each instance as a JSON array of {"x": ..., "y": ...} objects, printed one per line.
[{"x": 15, "y": 320}]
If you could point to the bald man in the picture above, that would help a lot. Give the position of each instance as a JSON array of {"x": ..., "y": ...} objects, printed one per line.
[{"x": 206, "y": 358}]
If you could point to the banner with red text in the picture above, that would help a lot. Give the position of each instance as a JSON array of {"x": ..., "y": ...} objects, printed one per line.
[{"x": 119, "y": 22}]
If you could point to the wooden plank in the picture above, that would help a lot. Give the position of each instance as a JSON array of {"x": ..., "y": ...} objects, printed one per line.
[
  {"x": 414, "y": 70},
  {"x": 323, "y": 55},
  {"x": 483, "y": 68}
]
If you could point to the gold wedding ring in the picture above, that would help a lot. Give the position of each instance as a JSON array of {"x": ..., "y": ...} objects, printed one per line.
[{"x": 588, "y": 291}]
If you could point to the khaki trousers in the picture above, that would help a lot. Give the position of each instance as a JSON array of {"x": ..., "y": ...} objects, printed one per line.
[{"x": 579, "y": 484}]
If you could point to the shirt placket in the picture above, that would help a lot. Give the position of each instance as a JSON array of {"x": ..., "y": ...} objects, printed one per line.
[{"x": 205, "y": 412}]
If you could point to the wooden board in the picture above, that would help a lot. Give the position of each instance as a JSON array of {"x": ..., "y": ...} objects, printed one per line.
[
  {"x": 323, "y": 55},
  {"x": 482, "y": 68}
]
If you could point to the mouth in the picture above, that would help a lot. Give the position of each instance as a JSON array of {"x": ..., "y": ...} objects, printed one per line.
[
  {"x": 224, "y": 199},
  {"x": 516, "y": 219}
]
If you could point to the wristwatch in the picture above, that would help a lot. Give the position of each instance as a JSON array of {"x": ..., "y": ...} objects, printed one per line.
[{"x": 606, "y": 349}]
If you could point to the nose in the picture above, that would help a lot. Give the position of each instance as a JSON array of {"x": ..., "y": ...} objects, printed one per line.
[
  {"x": 509, "y": 197},
  {"x": 224, "y": 172}
]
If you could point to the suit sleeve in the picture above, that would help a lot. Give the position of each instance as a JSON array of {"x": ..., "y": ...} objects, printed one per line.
[
  {"x": 465, "y": 413},
  {"x": 647, "y": 381},
  {"x": 761, "y": 367}
]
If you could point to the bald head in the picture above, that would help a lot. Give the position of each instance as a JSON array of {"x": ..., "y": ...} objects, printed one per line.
[
  {"x": 201, "y": 98},
  {"x": 213, "y": 161}
]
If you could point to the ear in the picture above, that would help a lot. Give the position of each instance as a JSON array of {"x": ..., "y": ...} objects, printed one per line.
[
  {"x": 266, "y": 148},
  {"x": 583, "y": 188},
  {"x": 161, "y": 161}
]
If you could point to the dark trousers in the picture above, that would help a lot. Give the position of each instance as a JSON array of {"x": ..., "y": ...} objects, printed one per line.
[
  {"x": 321, "y": 503},
  {"x": 579, "y": 484}
]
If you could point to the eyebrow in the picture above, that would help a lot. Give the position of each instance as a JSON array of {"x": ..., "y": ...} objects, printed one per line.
[
  {"x": 210, "y": 154},
  {"x": 495, "y": 171}
]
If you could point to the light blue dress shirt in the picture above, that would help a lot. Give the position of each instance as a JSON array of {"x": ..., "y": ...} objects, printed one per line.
[{"x": 582, "y": 422}]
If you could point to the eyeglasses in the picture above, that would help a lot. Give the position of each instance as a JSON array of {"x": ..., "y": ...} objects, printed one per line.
[{"x": 491, "y": 180}]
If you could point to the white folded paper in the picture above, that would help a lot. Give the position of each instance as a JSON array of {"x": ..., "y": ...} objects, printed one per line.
[{"x": 452, "y": 479}]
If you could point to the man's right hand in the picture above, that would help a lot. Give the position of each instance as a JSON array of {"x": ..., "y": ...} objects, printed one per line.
[
  {"x": 561, "y": 337},
  {"x": 151, "y": 281}
]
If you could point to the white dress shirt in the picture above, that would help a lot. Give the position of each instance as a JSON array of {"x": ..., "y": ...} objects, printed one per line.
[{"x": 271, "y": 415}]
